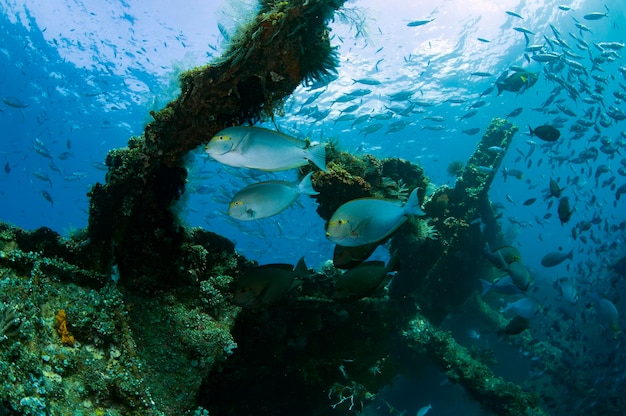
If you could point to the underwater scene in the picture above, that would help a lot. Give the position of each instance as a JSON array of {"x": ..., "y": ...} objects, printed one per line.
[{"x": 312, "y": 207}]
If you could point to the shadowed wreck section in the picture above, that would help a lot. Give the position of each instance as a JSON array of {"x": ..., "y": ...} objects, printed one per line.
[{"x": 148, "y": 304}]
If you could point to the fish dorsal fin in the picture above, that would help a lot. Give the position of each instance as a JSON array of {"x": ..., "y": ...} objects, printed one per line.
[
  {"x": 301, "y": 270},
  {"x": 306, "y": 186}
]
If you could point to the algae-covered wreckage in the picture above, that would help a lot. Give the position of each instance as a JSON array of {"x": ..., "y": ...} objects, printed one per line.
[{"x": 134, "y": 315}]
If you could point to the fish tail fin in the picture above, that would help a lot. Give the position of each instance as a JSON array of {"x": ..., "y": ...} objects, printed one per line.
[
  {"x": 499, "y": 88},
  {"x": 503, "y": 262},
  {"x": 317, "y": 155},
  {"x": 532, "y": 132},
  {"x": 412, "y": 206},
  {"x": 394, "y": 262},
  {"x": 306, "y": 186},
  {"x": 301, "y": 269},
  {"x": 570, "y": 255},
  {"x": 487, "y": 286}
]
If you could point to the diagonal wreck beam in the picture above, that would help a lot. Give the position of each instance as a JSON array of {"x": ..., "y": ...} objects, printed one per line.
[
  {"x": 436, "y": 271},
  {"x": 501, "y": 397}
]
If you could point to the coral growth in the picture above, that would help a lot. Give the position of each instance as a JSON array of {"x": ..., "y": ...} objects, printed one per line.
[
  {"x": 455, "y": 168},
  {"x": 60, "y": 323}
]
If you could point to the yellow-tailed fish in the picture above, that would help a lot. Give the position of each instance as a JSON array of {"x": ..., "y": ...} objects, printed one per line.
[
  {"x": 368, "y": 220},
  {"x": 265, "y": 199},
  {"x": 267, "y": 284},
  {"x": 259, "y": 148}
]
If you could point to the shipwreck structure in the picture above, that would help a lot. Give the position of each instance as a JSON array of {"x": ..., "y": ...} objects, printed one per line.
[{"x": 134, "y": 314}]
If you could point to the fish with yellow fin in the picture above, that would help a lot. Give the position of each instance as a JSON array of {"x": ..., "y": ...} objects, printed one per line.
[
  {"x": 263, "y": 149},
  {"x": 369, "y": 220}
]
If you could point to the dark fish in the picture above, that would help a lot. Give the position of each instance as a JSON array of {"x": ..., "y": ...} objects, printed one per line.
[
  {"x": 469, "y": 114},
  {"x": 510, "y": 13},
  {"x": 416, "y": 23},
  {"x": 555, "y": 191},
  {"x": 620, "y": 191},
  {"x": 546, "y": 133},
  {"x": 366, "y": 81},
  {"x": 7, "y": 168},
  {"x": 487, "y": 91},
  {"x": 515, "y": 112},
  {"x": 515, "y": 326},
  {"x": 620, "y": 267},
  {"x": 555, "y": 258},
  {"x": 267, "y": 284},
  {"x": 595, "y": 16},
  {"x": 478, "y": 104},
  {"x": 566, "y": 110},
  {"x": 524, "y": 30},
  {"x": 14, "y": 102},
  {"x": 517, "y": 82},
  {"x": 529, "y": 201},
  {"x": 503, "y": 256},
  {"x": 564, "y": 210},
  {"x": 349, "y": 257},
  {"x": 519, "y": 275},
  {"x": 546, "y": 57},
  {"x": 47, "y": 197},
  {"x": 472, "y": 131},
  {"x": 224, "y": 32},
  {"x": 481, "y": 74},
  {"x": 364, "y": 280},
  {"x": 434, "y": 127},
  {"x": 360, "y": 92}
]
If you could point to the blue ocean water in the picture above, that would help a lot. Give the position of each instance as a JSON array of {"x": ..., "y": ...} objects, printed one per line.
[{"x": 70, "y": 96}]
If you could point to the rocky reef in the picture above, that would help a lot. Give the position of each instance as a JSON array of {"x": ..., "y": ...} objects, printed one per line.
[{"x": 134, "y": 315}]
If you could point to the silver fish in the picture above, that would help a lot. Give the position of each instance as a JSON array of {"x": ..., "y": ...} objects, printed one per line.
[
  {"x": 264, "y": 199},
  {"x": 259, "y": 148},
  {"x": 368, "y": 220}
]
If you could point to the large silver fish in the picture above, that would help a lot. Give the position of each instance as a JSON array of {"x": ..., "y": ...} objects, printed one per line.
[
  {"x": 259, "y": 148},
  {"x": 264, "y": 199},
  {"x": 368, "y": 220}
]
